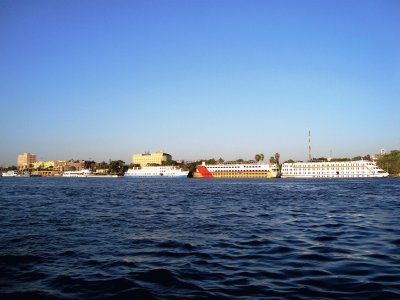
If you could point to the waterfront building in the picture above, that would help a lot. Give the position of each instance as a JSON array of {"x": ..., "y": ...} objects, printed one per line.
[
  {"x": 25, "y": 160},
  {"x": 150, "y": 158},
  {"x": 43, "y": 164},
  {"x": 69, "y": 165}
]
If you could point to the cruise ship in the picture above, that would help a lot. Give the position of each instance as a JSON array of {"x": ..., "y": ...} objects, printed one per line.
[
  {"x": 339, "y": 169},
  {"x": 236, "y": 171},
  {"x": 156, "y": 171}
]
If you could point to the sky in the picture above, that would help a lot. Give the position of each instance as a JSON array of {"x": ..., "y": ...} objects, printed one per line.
[{"x": 198, "y": 79}]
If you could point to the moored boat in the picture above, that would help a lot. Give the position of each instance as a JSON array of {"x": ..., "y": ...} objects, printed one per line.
[
  {"x": 10, "y": 174},
  {"x": 86, "y": 174},
  {"x": 156, "y": 171},
  {"x": 339, "y": 169},
  {"x": 80, "y": 173},
  {"x": 236, "y": 171}
]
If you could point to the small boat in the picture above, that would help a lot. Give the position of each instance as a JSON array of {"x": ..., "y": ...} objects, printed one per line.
[
  {"x": 81, "y": 173},
  {"x": 10, "y": 174},
  {"x": 87, "y": 174}
]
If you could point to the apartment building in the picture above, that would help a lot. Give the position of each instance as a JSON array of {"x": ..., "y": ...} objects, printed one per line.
[
  {"x": 25, "y": 160},
  {"x": 150, "y": 158}
]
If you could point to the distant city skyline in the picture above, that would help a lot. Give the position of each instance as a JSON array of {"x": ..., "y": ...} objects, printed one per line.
[{"x": 205, "y": 79}]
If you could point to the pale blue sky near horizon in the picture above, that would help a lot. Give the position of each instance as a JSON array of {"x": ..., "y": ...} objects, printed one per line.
[{"x": 198, "y": 79}]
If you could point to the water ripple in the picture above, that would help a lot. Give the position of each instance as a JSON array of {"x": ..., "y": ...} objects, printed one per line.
[{"x": 199, "y": 239}]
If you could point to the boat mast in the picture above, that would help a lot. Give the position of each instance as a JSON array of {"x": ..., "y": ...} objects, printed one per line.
[{"x": 309, "y": 145}]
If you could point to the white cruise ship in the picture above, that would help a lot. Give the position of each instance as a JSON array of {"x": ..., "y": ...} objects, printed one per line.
[
  {"x": 236, "y": 171},
  {"x": 161, "y": 171},
  {"x": 338, "y": 169}
]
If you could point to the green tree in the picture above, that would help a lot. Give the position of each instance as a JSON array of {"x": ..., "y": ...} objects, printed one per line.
[
  {"x": 277, "y": 156},
  {"x": 257, "y": 157},
  {"x": 102, "y": 165},
  {"x": 117, "y": 166},
  {"x": 290, "y": 161},
  {"x": 169, "y": 163},
  {"x": 89, "y": 164},
  {"x": 211, "y": 161},
  {"x": 390, "y": 162}
]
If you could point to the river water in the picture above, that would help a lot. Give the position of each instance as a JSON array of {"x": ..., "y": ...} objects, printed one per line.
[{"x": 66, "y": 238}]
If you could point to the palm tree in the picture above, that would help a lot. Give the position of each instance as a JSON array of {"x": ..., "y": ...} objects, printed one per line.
[
  {"x": 277, "y": 156},
  {"x": 257, "y": 157},
  {"x": 272, "y": 160},
  {"x": 261, "y": 157}
]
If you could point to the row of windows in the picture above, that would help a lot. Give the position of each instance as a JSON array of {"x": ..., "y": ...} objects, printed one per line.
[
  {"x": 258, "y": 175},
  {"x": 332, "y": 172},
  {"x": 240, "y": 171},
  {"x": 341, "y": 176},
  {"x": 234, "y": 167},
  {"x": 323, "y": 169},
  {"x": 327, "y": 165}
]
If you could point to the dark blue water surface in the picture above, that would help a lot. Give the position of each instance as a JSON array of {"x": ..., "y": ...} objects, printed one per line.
[{"x": 185, "y": 238}]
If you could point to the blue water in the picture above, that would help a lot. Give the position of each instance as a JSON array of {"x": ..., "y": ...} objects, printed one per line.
[{"x": 200, "y": 239}]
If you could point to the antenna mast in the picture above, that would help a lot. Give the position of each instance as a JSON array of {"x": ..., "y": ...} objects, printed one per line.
[{"x": 309, "y": 145}]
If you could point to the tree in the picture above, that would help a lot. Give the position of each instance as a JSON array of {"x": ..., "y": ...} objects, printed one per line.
[
  {"x": 272, "y": 160},
  {"x": 102, "y": 165},
  {"x": 117, "y": 166},
  {"x": 277, "y": 156},
  {"x": 89, "y": 164},
  {"x": 211, "y": 161},
  {"x": 257, "y": 157},
  {"x": 169, "y": 163},
  {"x": 390, "y": 162},
  {"x": 261, "y": 157}
]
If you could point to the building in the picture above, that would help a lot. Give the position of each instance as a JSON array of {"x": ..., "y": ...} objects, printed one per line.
[
  {"x": 43, "y": 165},
  {"x": 25, "y": 160},
  {"x": 150, "y": 158},
  {"x": 69, "y": 165}
]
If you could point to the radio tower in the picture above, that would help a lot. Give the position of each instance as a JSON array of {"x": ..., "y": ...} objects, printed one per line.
[{"x": 309, "y": 145}]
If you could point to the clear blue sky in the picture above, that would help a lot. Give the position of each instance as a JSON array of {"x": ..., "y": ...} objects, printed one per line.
[{"x": 198, "y": 79}]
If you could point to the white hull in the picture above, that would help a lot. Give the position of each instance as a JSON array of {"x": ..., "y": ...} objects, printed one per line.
[
  {"x": 86, "y": 174},
  {"x": 10, "y": 174},
  {"x": 78, "y": 174}
]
